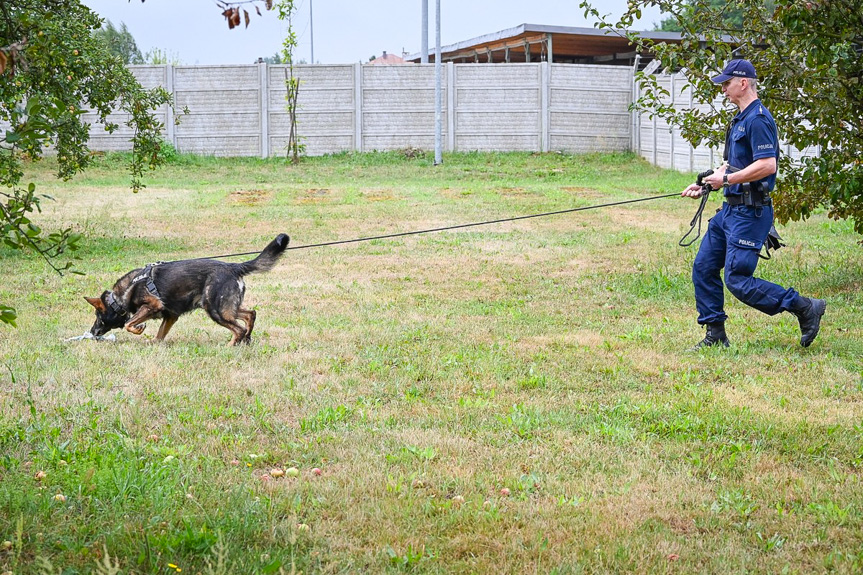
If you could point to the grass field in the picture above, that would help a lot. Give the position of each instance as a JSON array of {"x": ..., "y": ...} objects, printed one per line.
[{"x": 511, "y": 398}]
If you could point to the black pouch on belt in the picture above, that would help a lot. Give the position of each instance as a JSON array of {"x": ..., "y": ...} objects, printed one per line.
[
  {"x": 773, "y": 242},
  {"x": 754, "y": 195}
]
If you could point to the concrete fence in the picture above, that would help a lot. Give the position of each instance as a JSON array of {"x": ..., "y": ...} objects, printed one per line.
[
  {"x": 240, "y": 110},
  {"x": 538, "y": 107},
  {"x": 664, "y": 146}
]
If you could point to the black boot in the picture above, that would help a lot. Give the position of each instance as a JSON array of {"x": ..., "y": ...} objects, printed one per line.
[
  {"x": 808, "y": 312},
  {"x": 715, "y": 336}
]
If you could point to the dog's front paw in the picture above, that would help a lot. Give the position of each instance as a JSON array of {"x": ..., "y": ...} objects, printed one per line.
[{"x": 137, "y": 329}]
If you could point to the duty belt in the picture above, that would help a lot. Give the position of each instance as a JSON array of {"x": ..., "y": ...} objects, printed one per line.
[{"x": 751, "y": 196}]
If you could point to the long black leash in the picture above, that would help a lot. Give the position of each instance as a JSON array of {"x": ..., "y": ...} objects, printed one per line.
[
  {"x": 696, "y": 219},
  {"x": 460, "y": 226}
]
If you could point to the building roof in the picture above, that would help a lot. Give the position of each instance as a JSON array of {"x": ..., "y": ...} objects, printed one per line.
[
  {"x": 387, "y": 59},
  {"x": 540, "y": 43}
]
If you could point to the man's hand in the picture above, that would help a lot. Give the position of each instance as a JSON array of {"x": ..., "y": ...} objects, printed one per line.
[
  {"x": 712, "y": 180},
  {"x": 693, "y": 191}
]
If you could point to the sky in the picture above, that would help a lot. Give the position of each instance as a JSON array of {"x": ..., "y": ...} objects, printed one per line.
[{"x": 344, "y": 31}]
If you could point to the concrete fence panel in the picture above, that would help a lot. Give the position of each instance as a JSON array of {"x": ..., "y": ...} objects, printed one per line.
[
  {"x": 498, "y": 107},
  {"x": 224, "y": 105},
  {"x": 398, "y": 107},
  {"x": 589, "y": 108},
  {"x": 326, "y": 110}
]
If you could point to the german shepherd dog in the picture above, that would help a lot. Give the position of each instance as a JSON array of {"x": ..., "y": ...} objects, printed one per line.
[{"x": 170, "y": 289}]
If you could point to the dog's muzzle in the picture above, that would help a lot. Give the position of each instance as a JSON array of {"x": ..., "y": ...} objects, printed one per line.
[{"x": 99, "y": 329}]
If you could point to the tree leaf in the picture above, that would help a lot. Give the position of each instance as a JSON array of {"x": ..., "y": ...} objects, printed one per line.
[
  {"x": 8, "y": 315},
  {"x": 229, "y": 16}
]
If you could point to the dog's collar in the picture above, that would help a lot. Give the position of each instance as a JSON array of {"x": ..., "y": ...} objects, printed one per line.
[{"x": 111, "y": 300}]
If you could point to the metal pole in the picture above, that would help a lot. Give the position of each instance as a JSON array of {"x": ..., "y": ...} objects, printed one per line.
[
  {"x": 437, "y": 89},
  {"x": 312, "y": 32},
  {"x": 424, "y": 33}
]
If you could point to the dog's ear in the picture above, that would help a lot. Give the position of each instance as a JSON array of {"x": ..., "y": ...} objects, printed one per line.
[{"x": 96, "y": 303}]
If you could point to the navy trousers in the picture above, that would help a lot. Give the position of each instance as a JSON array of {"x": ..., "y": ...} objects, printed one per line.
[{"x": 733, "y": 239}]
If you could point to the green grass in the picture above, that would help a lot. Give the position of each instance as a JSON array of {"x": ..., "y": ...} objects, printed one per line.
[{"x": 504, "y": 398}]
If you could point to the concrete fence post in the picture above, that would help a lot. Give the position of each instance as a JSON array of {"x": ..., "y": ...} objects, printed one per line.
[
  {"x": 358, "y": 107},
  {"x": 691, "y": 148},
  {"x": 544, "y": 137},
  {"x": 450, "y": 106},
  {"x": 634, "y": 142},
  {"x": 671, "y": 134},
  {"x": 170, "y": 128},
  {"x": 636, "y": 113},
  {"x": 655, "y": 146},
  {"x": 264, "y": 70}
]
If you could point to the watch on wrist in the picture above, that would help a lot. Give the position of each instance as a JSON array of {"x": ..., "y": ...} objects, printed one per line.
[{"x": 724, "y": 179}]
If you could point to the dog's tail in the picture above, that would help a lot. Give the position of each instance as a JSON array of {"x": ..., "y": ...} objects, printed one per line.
[{"x": 268, "y": 258}]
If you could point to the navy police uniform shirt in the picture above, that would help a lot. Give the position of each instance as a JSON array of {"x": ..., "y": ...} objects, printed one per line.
[{"x": 753, "y": 137}]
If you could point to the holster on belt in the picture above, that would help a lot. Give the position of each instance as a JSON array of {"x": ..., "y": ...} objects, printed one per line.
[
  {"x": 754, "y": 195},
  {"x": 751, "y": 194}
]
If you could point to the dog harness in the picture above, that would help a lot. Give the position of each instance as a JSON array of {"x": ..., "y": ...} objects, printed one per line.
[{"x": 147, "y": 275}]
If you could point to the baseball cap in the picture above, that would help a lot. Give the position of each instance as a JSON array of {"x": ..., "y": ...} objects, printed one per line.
[{"x": 735, "y": 69}]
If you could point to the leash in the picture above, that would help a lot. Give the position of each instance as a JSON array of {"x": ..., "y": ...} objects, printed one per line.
[
  {"x": 696, "y": 219},
  {"x": 461, "y": 226}
]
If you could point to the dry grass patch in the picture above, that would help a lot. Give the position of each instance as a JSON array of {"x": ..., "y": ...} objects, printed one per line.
[
  {"x": 315, "y": 196},
  {"x": 383, "y": 195},
  {"x": 249, "y": 197}
]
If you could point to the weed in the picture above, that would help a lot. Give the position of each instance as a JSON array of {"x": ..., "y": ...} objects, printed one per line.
[
  {"x": 410, "y": 559},
  {"x": 521, "y": 422},
  {"x": 326, "y": 418},
  {"x": 771, "y": 543}
]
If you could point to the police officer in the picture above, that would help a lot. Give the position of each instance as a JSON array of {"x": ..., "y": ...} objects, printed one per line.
[{"x": 736, "y": 233}]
